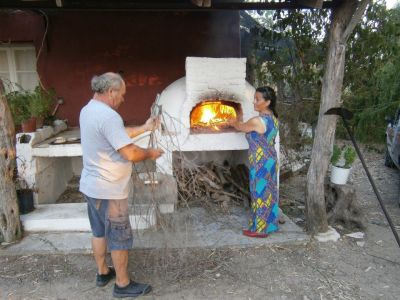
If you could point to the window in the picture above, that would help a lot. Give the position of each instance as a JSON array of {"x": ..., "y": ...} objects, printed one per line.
[{"x": 18, "y": 67}]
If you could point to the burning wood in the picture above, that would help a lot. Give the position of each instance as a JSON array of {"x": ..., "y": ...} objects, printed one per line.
[{"x": 214, "y": 115}]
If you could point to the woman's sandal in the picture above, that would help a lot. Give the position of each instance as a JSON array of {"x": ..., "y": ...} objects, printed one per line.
[{"x": 249, "y": 233}]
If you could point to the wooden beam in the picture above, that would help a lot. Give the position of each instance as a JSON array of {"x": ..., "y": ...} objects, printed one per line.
[
  {"x": 198, "y": 3},
  {"x": 123, "y": 5},
  {"x": 59, "y": 3},
  {"x": 202, "y": 3},
  {"x": 311, "y": 3}
]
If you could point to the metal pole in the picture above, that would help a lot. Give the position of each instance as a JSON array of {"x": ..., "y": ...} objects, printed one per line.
[{"x": 371, "y": 181}]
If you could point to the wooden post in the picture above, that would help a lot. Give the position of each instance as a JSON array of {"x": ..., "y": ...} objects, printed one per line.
[
  {"x": 344, "y": 18},
  {"x": 311, "y": 3},
  {"x": 10, "y": 226}
]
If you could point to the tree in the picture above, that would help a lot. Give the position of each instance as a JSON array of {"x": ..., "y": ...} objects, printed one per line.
[
  {"x": 10, "y": 227},
  {"x": 300, "y": 64},
  {"x": 288, "y": 50},
  {"x": 372, "y": 72},
  {"x": 285, "y": 50},
  {"x": 344, "y": 18}
]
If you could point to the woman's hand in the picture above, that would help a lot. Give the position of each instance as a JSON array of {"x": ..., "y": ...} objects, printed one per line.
[{"x": 234, "y": 123}]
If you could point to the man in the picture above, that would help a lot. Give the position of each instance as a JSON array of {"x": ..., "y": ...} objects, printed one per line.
[{"x": 108, "y": 154}]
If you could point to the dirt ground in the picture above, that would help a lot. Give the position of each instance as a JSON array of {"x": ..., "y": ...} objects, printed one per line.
[{"x": 367, "y": 268}]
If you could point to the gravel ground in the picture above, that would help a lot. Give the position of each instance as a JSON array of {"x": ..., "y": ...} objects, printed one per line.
[{"x": 367, "y": 268}]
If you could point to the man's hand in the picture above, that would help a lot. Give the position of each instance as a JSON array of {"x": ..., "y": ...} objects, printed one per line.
[
  {"x": 155, "y": 153},
  {"x": 134, "y": 153},
  {"x": 152, "y": 124}
]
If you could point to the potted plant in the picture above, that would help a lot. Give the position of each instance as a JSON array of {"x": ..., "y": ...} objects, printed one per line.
[
  {"x": 342, "y": 160},
  {"x": 20, "y": 106},
  {"x": 40, "y": 105},
  {"x": 30, "y": 109},
  {"x": 24, "y": 194}
]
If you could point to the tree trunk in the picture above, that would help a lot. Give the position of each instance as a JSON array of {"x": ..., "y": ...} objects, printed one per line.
[
  {"x": 280, "y": 96},
  {"x": 251, "y": 68},
  {"x": 342, "y": 206},
  {"x": 10, "y": 227},
  {"x": 344, "y": 18}
]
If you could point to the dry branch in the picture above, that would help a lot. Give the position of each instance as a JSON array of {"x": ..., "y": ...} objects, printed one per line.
[{"x": 212, "y": 182}]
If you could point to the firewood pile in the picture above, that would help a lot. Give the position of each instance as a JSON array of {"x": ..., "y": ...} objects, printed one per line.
[{"x": 220, "y": 184}]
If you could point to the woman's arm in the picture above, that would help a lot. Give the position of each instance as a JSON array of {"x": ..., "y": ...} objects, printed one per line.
[{"x": 254, "y": 124}]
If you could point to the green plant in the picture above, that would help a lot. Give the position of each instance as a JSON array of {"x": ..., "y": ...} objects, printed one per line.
[
  {"x": 41, "y": 102},
  {"x": 19, "y": 102},
  {"x": 349, "y": 156},
  {"x": 296, "y": 41},
  {"x": 373, "y": 91},
  {"x": 343, "y": 157},
  {"x": 336, "y": 153},
  {"x": 25, "y": 104}
]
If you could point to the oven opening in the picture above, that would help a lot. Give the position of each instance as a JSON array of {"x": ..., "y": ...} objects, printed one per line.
[{"x": 213, "y": 116}]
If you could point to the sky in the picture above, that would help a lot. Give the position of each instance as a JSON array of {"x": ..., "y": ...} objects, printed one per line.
[{"x": 391, "y": 3}]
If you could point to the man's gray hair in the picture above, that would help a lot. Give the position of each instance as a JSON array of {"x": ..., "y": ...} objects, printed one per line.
[{"x": 102, "y": 83}]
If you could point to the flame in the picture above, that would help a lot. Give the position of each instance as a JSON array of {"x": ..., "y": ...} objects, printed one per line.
[
  {"x": 207, "y": 114},
  {"x": 213, "y": 115}
]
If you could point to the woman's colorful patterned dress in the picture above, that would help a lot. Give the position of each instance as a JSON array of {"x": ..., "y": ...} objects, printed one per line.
[{"x": 263, "y": 178}]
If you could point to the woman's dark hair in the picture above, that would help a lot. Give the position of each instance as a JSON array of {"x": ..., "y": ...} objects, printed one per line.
[{"x": 269, "y": 94}]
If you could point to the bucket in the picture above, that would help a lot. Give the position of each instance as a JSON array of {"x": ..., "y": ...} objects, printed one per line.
[
  {"x": 339, "y": 175},
  {"x": 25, "y": 201}
]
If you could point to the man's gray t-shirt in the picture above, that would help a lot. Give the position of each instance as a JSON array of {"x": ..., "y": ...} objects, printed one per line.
[{"x": 106, "y": 174}]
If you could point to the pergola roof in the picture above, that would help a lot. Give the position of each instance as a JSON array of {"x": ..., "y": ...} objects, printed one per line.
[{"x": 165, "y": 4}]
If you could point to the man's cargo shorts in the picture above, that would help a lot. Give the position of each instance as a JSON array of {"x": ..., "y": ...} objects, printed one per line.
[{"x": 116, "y": 230}]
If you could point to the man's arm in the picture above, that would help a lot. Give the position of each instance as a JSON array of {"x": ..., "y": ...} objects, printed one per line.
[
  {"x": 150, "y": 125},
  {"x": 134, "y": 153},
  {"x": 135, "y": 131}
]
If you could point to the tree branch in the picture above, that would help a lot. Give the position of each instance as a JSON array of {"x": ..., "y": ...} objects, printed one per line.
[{"x": 355, "y": 19}]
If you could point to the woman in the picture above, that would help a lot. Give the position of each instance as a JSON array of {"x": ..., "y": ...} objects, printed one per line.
[{"x": 260, "y": 133}]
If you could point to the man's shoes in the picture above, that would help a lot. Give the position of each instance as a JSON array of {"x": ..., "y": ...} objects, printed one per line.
[
  {"x": 133, "y": 289},
  {"x": 102, "y": 280}
]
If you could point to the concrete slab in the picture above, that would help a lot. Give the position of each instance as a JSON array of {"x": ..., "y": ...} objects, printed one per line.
[
  {"x": 73, "y": 217},
  {"x": 197, "y": 227},
  {"x": 193, "y": 228}
]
